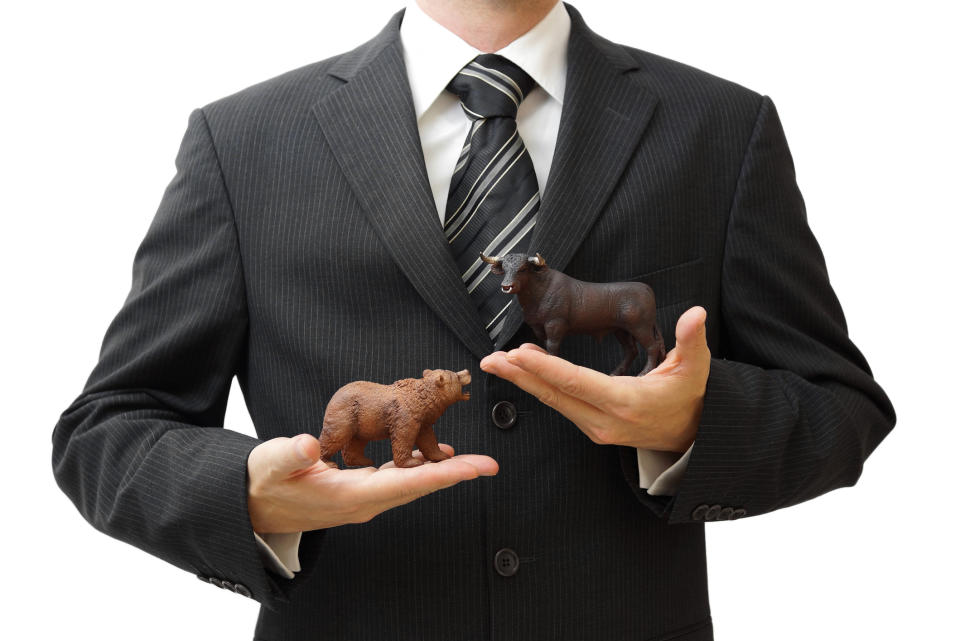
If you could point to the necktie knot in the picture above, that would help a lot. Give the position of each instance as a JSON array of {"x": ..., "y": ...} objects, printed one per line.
[{"x": 491, "y": 85}]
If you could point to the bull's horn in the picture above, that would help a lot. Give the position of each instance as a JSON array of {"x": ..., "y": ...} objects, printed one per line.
[
  {"x": 538, "y": 261},
  {"x": 489, "y": 260}
]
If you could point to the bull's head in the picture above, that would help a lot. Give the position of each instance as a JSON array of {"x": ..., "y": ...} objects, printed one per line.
[{"x": 516, "y": 269}]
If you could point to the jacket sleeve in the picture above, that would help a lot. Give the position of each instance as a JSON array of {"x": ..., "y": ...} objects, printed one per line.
[
  {"x": 791, "y": 409},
  {"x": 142, "y": 451}
]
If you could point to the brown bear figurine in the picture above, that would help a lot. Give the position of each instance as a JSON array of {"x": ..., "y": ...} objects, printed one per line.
[{"x": 404, "y": 412}]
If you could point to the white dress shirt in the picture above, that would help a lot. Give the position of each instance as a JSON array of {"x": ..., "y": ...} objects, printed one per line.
[{"x": 433, "y": 55}]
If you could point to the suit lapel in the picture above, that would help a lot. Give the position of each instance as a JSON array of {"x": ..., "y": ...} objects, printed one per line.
[
  {"x": 370, "y": 125},
  {"x": 371, "y": 128},
  {"x": 605, "y": 112}
]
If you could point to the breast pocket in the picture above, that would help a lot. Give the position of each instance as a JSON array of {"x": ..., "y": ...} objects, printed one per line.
[{"x": 676, "y": 289}]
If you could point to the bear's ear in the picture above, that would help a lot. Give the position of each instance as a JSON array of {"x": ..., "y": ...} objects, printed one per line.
[
  {"x": 440, "y": 378},
  {"x": 426, "y": 372}
]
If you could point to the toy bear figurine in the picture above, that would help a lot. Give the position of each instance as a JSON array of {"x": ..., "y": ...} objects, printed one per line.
[
  {"x": 555, "y": 305},
  {"x": 404, "y": 412}
]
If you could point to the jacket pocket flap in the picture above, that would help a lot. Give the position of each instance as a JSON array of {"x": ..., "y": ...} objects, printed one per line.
[{"x": 675, "y": 284}]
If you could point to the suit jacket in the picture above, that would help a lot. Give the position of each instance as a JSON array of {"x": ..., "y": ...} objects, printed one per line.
[{"x": 298, "y": 248}]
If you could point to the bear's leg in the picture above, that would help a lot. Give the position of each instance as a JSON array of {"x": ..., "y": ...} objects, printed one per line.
[
  {"x": 402, "y": 437},
  {"x": 353, "y": 453},
  {"x": 332, "y": 440},
  {"x": 427, "y": 442}
]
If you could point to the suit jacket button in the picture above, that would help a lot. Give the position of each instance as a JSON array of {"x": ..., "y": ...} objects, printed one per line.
[
  {"x": 725, "y": 514},
  {"x": 698, "y": 513},
  {"x": 504, "y": 415},
  {"x": 203, "y": 578},
  {"x": 738, "y": 513},
  {"x": 712, "y": 513},
  {"x": 226, "y": 585},
  {"x": 215, "y": 581},
  {"x": 242, "y": 590},
  {"x": 506, "y": 562}
]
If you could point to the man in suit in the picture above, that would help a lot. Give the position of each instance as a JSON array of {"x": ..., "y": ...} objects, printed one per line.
[{"x": 301, "y": 245}]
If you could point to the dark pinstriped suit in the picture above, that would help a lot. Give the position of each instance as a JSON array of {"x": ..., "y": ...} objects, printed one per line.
[{"x": 298, "y": 248}]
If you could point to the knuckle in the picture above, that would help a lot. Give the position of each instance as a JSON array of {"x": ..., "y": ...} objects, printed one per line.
[
  {"x": 258, "y": 491},
  {"x": 273, "y": 468},
  {"x": 573, "y": 383},
  {"x": 548, "y": 397}
]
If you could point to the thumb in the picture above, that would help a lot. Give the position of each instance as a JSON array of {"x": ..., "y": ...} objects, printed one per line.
[
  {"x": 285, "y": 456},
  {"x": 692, "y": 334}
]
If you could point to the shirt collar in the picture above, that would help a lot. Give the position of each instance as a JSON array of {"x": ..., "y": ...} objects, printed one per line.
[{"x": 433, "y": 54}]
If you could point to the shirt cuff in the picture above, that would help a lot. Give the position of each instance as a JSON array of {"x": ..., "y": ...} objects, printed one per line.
[
  {"x": 660, "y": 472},
  {"x": 279, "y": 552}
]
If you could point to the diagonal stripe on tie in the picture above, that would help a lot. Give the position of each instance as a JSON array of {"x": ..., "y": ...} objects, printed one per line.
[{"x": 494, "y": 197}]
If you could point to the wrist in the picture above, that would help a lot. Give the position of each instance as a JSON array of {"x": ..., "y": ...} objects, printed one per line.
[
  {"x": 261, "y": 508},
  {"x": 674, "y": 432},
  {"x": 686, "y": 434}
]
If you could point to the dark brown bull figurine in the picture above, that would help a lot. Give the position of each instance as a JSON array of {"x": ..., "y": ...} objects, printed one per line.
[{"x": 555, "y": 305}]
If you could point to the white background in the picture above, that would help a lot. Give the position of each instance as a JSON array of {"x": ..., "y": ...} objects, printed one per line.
[{"x": 95, "y": 101}]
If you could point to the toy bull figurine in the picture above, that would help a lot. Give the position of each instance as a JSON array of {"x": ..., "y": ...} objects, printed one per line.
[
  {"x": 404, "y": 412},
  {"x": 555, "y": 305}
]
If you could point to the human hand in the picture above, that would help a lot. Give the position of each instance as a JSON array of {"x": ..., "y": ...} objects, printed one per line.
[
  {"x": 658, "y": 411},
  {"x": 291, "y": 490}
]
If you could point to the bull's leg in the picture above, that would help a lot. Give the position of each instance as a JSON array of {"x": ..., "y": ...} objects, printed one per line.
[
  {"x": 332, "y": 440},
  {"x": 539, "y": 333},
  {"x": 656, "y": 351},
  {"x": 427, "y": 442},
  {"x": 651, "y": 341},
  {"x": 402, "y": 437},
  {"x": 555, "y": 330},
  {"x": 629, "y": 351},
  {"x": 353, "y": 453}
]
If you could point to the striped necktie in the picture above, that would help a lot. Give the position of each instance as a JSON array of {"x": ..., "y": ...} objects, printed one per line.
[{"x": 494, "y": 198}]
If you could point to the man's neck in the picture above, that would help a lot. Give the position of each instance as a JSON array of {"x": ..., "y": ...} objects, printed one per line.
[{"x": 487, "y": 25}]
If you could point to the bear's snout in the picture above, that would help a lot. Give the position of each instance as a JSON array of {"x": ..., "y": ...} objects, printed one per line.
[{"x": 464, "y": 377}]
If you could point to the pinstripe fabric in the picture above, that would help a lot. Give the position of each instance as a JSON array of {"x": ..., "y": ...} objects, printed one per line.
[{"x": 297, "y": 248}]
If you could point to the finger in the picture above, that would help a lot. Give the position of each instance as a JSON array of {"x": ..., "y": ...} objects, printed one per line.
[
  {"x": 585, "y": 415},
  {"x": 308, "y": 446},
  {"x": 484, "y": 465},
  {"x": 395, "y": 486},
  {"x": 417, "y": 454},
  {"x": 596, "y": 388},
  {"x": 283, "y": 457},
  {"x": 534, "y": 347},
  {"x": 691, "y": 334},
  {"x": 447, "y": 449}
]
